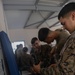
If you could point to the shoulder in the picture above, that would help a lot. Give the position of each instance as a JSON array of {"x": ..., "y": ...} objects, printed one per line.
[{"x": 58, "y": 29}]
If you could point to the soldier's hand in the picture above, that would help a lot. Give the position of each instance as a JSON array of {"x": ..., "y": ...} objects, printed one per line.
[
  {"x": 37, "y": 68},
  {"x": 53, "y": 65}
]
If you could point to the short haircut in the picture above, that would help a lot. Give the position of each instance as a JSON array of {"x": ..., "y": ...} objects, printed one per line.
[
  {"x": 66, "y": 9},
  {"x": 25, "y": 49},
  {"x": 43, "y": 33},
  {"x": 33, "y": 40}
]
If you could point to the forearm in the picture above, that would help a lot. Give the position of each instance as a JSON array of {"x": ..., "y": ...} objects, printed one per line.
[{"x": 50, "y": 71}]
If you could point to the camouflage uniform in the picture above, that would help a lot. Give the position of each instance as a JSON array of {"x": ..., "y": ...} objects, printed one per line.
[
  {"x": 45, "y": 56},
  {"x": 35, "y": 53},
  {"x": 60, "y": 41},
  {"x": 26, "y": 61},
  {"x": 66, "y": 64}
]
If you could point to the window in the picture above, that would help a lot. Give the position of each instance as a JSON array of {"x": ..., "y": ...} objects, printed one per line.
[{"x": 15, "y": 44}]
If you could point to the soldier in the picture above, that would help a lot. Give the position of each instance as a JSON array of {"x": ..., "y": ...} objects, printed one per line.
[
  {"x": 35, "y": 50},
  {"x": 41, "y": 53},
  {"x": 18, "y": 54},
  {"x": 26, "y": 62},
  {"x": 66, "y": 64},
  {"x": 48, "y": 36}
]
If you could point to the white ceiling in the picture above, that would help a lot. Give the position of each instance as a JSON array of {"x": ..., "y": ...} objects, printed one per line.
[{"x": 21, "y": 14}]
